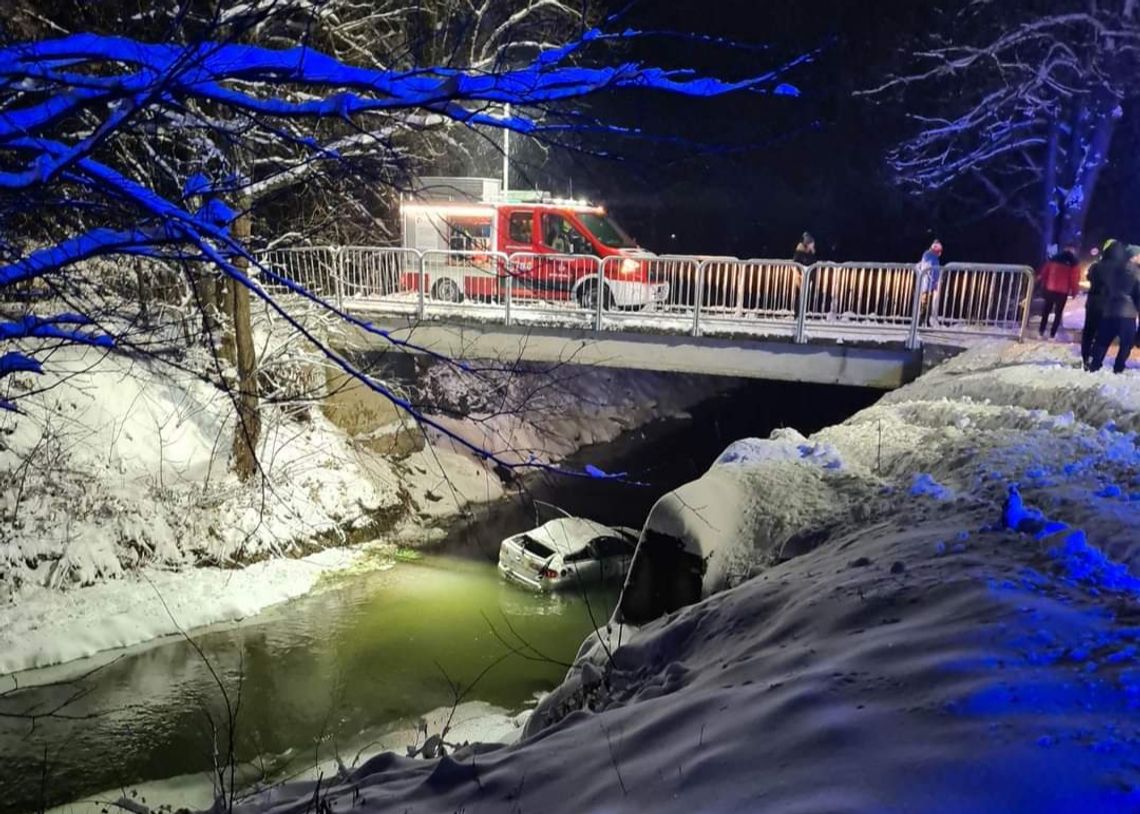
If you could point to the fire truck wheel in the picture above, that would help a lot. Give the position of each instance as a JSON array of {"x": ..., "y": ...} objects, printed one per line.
[
  {"x": 588, "y": 297},
  {"x": 446, "y": 290}
]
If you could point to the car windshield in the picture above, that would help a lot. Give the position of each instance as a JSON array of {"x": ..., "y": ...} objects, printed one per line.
[{"x": 606, "y": 231}]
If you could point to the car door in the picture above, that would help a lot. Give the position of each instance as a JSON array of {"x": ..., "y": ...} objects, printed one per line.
[
  {"x": 517, "y": 225},
  {"x": 585, "y": 565},
  {"x": 560, "y": 236}
]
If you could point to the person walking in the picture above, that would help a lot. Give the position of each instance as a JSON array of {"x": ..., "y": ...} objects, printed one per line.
[
  {"x": 1121, "y": 309},
  {"x": 929, "y": 269},
  {"x": 1060, "y": 278},
  {"x": 805, "y": 251},
  {"x": 1111, "y": 255}
]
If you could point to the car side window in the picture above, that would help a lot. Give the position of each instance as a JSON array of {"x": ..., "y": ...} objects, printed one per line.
[
  {"x": 611, "y": 547},
  {"x": 583, "y": 555},
  {"x": 521, "y": 228},
  {"x": 562, "y": 236}
]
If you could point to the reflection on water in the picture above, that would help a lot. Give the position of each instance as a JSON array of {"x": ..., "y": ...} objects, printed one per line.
[{"x": 363, "y": 653}]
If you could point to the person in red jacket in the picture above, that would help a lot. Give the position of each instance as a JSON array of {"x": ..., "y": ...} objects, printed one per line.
[{"x": 1060, "y": 279}]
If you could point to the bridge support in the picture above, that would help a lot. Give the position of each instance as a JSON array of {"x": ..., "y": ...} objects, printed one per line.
[{"x": 880, "y": 367}]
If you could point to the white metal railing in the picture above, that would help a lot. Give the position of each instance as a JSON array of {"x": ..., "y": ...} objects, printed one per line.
[
  {"x": 391, "y": 276},
  {"x": 675, "y": 294},
  {"x": 312, "y": 267}
]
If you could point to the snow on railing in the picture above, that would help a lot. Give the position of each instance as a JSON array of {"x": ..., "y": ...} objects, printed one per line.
[{"x": 674, "y": 294}]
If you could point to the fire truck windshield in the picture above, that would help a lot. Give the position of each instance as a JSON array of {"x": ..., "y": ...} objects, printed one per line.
[{"x": 606, "y": 231}]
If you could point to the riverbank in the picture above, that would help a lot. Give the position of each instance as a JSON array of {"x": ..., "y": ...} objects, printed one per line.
[
  {"x": 123, "y": 522},
  {"x": 952, "y": 630}
]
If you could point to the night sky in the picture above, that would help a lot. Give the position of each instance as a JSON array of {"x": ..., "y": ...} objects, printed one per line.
[{"x": 768, "y": 168}]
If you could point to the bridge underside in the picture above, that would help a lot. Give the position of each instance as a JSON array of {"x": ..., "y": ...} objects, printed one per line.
[{"x": 877, "y": 367}]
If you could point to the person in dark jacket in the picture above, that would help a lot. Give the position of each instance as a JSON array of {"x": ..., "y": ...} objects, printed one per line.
[
  {"x": 1112, "y": 254},
  {"x": 805, "y": 251},
  {"x": 1059, "y": 279},
  {"x": 1121, "y": 309}
]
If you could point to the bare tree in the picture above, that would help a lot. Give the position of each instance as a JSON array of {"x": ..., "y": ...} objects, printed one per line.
[
  {"x": 80, "y": 109},
  {"x": 1015, "y": 105}
]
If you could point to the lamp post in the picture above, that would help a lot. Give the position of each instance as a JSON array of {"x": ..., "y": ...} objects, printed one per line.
[{"x": 507, "y": 153}]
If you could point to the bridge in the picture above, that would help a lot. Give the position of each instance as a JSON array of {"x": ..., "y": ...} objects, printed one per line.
[{"x": 862, "y": 324}]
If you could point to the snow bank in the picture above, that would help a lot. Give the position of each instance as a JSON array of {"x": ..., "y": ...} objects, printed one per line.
[
  {"x": 51, "y": 627},
  {"x": 917, "y": 655},
  {"x": 469, "y": 722},
  {"x": 118, "y": 463}
]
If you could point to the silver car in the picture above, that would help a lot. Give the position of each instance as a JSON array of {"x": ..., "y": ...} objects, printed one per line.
[{"x": 566, "y": 553}]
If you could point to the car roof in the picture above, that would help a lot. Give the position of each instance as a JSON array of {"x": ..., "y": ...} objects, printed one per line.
[{"x": 569, "y": 534}]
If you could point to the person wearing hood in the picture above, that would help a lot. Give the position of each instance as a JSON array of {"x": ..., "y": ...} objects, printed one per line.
[
  {"x": 1111, "y": 255},
  {"x": 1121, "y": 309},
  {"x": 1060, "y": 279},
  {"x": 805, "y": 251}
]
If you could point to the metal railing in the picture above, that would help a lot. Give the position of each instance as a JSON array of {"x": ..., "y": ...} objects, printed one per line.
[{"x": 882, "y": 302}]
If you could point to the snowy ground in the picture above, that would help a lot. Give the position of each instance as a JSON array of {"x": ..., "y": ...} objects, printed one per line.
[
  {"x": 933, "y": 646},
  {"x": 115, "y": 488}
]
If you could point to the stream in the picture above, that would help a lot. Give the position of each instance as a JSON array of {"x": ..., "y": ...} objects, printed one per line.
[{"x": 367, "y": 653}]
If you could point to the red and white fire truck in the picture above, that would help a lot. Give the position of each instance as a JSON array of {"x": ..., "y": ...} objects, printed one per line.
[{"x": 558, "y": 249}]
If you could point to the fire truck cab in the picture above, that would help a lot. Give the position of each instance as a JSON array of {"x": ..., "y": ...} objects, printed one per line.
[{"x": 557, "y": 247}]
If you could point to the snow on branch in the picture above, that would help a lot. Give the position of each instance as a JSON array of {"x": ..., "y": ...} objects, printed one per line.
[
  {"x": 1001, "y": 96},
  {"x": 85, "y": 118}
]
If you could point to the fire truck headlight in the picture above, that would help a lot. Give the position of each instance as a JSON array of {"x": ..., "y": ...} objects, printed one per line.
[{"x": 629, "y": 267}]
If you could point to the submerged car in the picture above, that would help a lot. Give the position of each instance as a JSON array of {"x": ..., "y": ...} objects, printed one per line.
[{"x": 567, "y": 553}]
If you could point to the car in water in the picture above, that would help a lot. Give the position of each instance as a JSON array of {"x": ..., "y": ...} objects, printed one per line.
[{"x": 567, "y": 553}]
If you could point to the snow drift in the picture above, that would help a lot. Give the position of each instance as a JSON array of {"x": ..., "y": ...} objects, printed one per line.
[{"x": 916, "y": 654}]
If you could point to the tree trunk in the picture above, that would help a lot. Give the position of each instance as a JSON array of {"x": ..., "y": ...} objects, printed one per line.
[
  {"x": 1097, "y": 129},
  {"x": 248, "y": 429},
  {"x": 206, "y": 292},
  {"x": 1050, "y": 202},
  {"x": 227, "y": 349},
  {"x": 143, "y": 291}
]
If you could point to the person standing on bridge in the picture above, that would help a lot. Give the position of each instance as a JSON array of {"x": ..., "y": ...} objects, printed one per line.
[
  {"x": 1111, "y": 255},
  {"x": 806, "y": 257},
  {"x": 805, "y": 251},
  {"x": 929, "y": 270},
  {"x": 1060, "y": 278},
  {"x": 1121, "y": 309}
]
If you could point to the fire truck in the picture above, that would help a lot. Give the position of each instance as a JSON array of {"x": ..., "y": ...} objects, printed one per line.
[{"x": 558, "y": 249}]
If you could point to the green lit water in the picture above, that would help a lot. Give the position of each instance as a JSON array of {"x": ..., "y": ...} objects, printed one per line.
[{"x": 363, "y": 654}]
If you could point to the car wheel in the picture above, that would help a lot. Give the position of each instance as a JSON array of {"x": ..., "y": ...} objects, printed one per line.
[
  {"x": 588, "y": 297},
  {"x": 446, "y": 290}
]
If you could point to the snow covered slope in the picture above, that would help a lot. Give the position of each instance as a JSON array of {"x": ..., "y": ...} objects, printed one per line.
[
  {"x": 949, "y": 646},
  {"x": 116, "y": 479},
  {"x": 119, "y": 463}
]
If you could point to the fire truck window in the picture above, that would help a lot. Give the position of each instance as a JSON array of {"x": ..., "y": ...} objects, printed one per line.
[
  {"x": 522, "y": 227},
  {"x": 561, "y": 236},
  {"x": 467, "y": 237}
]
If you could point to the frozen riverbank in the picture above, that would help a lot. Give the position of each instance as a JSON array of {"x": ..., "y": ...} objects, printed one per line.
[
  {"x": 932, "y": 647},
  {"x": 123, "y": 522}
]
